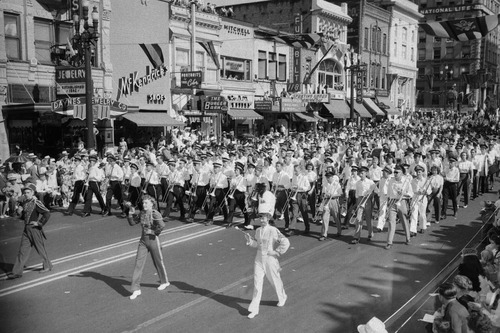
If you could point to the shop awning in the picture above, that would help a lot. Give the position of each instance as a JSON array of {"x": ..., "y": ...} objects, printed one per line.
[
  {"x": 361, "y": 110},
  {"x": 338, "y": 108},
  {"x": 386, "y": 105},
  {"x": 152, "y": 119},
  {"x": 371, "y": 106},
  {"x": 305, "y": 117},
  {"x": 244, "y": 114},
  {"x": 318, "y": 118}
]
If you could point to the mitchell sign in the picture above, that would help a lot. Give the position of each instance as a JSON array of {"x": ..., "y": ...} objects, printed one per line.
[{"x": 126, "y": 85}]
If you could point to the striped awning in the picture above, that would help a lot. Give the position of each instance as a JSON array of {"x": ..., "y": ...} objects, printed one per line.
[
  {"x": 386, "y": 105},
  {"x": 152, "y": 119},
  {"x": 361, "y": 110},
  {"x": 244, "y": 114},
  {"x": 338, "y": 108},
  {"x": 304, "y": 117},
  {"x": 370, "y": 105}
]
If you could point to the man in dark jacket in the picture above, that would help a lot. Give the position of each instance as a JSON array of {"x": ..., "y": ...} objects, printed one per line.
[{"x": 35, "y": 216}]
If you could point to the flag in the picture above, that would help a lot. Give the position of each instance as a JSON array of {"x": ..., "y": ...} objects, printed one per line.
[
  {"x": 430, "y": 81},
  {"x": 307, "y": 79},
  {"x": 462, "y": 29},
  {"x": 307, "y": 41},
  {"x": 154, "y": 54},
  {"x": 210, "y": 49},
  {"x": 390, "y": 80},
  {"x": 70, "y": 48}
]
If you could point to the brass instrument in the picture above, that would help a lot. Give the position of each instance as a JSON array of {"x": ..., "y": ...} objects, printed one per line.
[
  {"x": 276, "y": 185},
  {"x": 211, "y": 192},
  {"x": 360, "y": 207},
  {"x": 419, "y": 197},
  {"x": 170, "y": 186},
  {"x": 396, "y": 201}
]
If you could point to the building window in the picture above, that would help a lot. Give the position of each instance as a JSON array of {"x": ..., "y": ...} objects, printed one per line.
[
  {"x": 181, "y": 60},
  {"x": 365, "y": 39},
  {"x": 12, "y": 36},
  {"x": 413, "y": 36},
  {"x": 405, "y": 35},
  {"x": 421, "y": 37},
  {"x": 282, "y": 67},
  {"x": 395, "y": 49},
  {"x": 374, "y": 38},
  {"x": 273, "y": 66},
  {"x": 403, "y": 52},
  {"x": 384, "y": 75},
  {"x": 436, "y": 72},
  {"x": 50, "y": 33},
  {"x": 449, "y": 52},
  {"x": 330, "y": 74},
  {"x": 466, "y": 51},
  {"x": 435, "y": 95},
  {"x": 384, "y": 44},
  {"x": 421, "y": 72},
  {"x": 211, "y": 72},
  {"x": 379, "y": 39},
  {"x": 412, "y": 54},
  {"x": 421, "y": 54},
  {"x": 236, "y": 69},
  {"x": 200, "y": 61},
  {"x": 262, "y": 74},
  {"x": 437, "y": 53}
]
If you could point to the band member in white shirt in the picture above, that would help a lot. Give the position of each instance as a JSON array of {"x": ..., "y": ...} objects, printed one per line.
[
  {"x": 364, "y": 204},
  {"x": 236, "y": 195},
  {"x": 298, "y": 199},
  {"x": 94, "y": 178},
  {"x": 313, "y": 178},
  {"x": 381, "y": 190},
  {"x": 115, "y": 175},
  {"x": 466, "y": 169},
  {"x": 199, "y": 183},
  {"x": 331, "y": 191},
  {"x": 79, "y": 177},
  {"x": 399, "y": 191},
  {"x": 281, "y": 186},
  {"x": 421, "y": 189},
  {"x": 451, "y": 179},
  {"x": 177, "y": 182},
  {"x": 350, "y": 193},
  {"x": 219, "y": 185},
  {"x": 270, "y": 244}
]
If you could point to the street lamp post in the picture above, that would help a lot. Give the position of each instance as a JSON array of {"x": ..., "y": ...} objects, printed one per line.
[
  {"x": 446, "y": 74},
  {"x": 84, "y": 39}
]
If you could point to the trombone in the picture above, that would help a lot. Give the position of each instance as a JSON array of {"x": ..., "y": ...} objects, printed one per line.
[
  {"x": 360, "y": 207},
  {"x": 211, "y": 192},
  {"x": 170, "y": 187},
  {"x": 230, "y": 194},
  {"x": 419, "y": 197},
  {"x": 395, "y": 201},
  {"x": 292, "y": 195}
]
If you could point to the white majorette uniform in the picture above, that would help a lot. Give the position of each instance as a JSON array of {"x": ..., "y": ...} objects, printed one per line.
[
  {"x": 270, "y": 244},
  {"x": 421, "y": 190}
]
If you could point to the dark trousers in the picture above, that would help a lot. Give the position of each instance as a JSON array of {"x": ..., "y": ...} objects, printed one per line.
[
  {"x": 92, "y": 189},
  {"x": 178, "y": 195},
  {"x": 449, "y": 192},
  {"x": 351, "y": 204},
  {"x": 280, "y": 206},
  {"x": 32, "y": 237},
  {"x": 196, "y": 202},
  {"x": 114, "y": 190},
  {"x": 299, "y": 205},
  {"x": 463, "y": 185},
  {"x": 435, "y": 201},
  {"x": 237, "y": 201},
  {"x": 164, "y": 188},
  {"x": 311, "y": 199},
  {"x": 77, "y": 189},
  {"x": 154, "y": 190},
  {"x": 216, "y": 202},
  {"x": 483, "y": 184}
]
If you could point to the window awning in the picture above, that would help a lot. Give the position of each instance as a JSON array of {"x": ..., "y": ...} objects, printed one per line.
[
  {"x": 361, "y": 110},
  {"x": 386, "y": 105},
  {"x": 371, "y": 106},
  {"x": 244, "y": 114},
  {"x": 304, "y": 117},
  {"x": 338, "y": 108},
  {"x": 318, "y": 118},
  {"x": 152, "y": 119}
]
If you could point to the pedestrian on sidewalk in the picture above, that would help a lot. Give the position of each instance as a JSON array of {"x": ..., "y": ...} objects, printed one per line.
[
  {"x": 35, "y": 216},
  {"x": 270, "y": 244},
  {"x": 152, "y": 225}
]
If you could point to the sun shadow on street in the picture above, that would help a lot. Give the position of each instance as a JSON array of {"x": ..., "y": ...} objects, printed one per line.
[
  {"x": 229, "y": 301},
  {"x": 116, "y": 283}
]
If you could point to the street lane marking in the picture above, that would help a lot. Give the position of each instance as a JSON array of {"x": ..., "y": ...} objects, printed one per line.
[
  {"x": 100, "y": 263},
  {"x": 100, "y": 249},
  {"x": 200, "y": 299}
]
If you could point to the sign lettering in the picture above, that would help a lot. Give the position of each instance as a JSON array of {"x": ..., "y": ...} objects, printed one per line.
[
  {"x": 127, "y": 85},
  {"x": 191, "y": 79},
  {"x": 67, "y": 103}
]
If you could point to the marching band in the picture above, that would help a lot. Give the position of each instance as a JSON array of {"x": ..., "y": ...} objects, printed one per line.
[{"x": 314, "y": 180}]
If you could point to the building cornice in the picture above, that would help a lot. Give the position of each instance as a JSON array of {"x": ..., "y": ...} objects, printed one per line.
[{"x": 203, "y": 19}]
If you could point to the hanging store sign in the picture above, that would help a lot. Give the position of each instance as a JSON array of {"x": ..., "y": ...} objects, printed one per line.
[
  {"x": 70, "y": 74},
  {"x": 70, "y": 88},
  {"x": 312, "y": 98},
  {"x": 191, "y": 80},
  {"x": 69, "y": 103},
  {"x": 292, "y": 105},
  {"x": 127, "y": 85},
  {"x": 215, "y": 104},
  {"x": 265, "y": 106},
  {"x": 359, "y": 86},
  {"x": 294, "y": 86}
]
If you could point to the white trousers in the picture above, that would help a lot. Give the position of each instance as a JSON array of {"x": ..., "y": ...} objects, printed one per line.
[
  {"x": 266, "y": 266},
  {"x": 382, "y": 212},
  {"x": 419, "y": 215}
]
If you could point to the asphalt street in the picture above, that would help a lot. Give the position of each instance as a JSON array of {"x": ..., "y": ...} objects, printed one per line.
[{"x": 332, "y": 286}]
